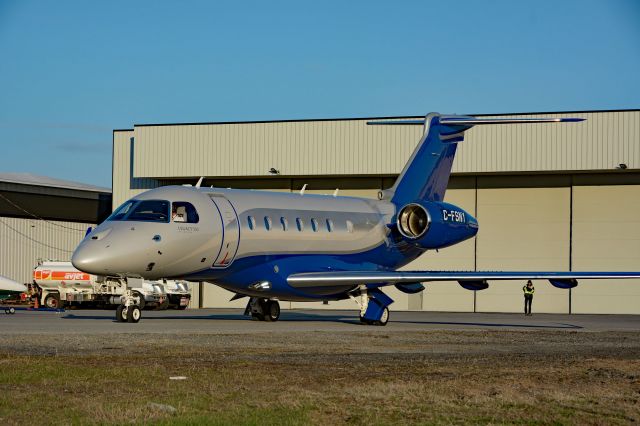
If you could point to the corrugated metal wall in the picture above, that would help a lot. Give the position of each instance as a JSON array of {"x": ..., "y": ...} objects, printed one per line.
[
  {"x": 124, "y": 185},
  {"x": 24, "y": 241},
  {"x": 350, "y": 147},
  {"x": 602, "y": 142}
]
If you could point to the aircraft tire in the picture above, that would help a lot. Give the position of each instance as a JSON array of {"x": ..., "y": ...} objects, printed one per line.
[
  {"x": 121, "y": 316},
  {"x": 384, "y": 319},
  {"x": 52, "y": 301},
  {"x": 272, "y": 310},
  {"x": 134, "y": 314}
]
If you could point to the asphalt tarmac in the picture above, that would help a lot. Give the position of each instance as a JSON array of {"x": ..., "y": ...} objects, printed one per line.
[{"x": 226, "y": 321}]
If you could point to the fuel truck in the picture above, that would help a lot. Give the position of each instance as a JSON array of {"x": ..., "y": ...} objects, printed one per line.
[{"x": 61, "y": 285}]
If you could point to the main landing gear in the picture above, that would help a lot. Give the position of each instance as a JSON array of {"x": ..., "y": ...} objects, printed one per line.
[
  {"x": 373, "y": 306},
  {"x": 129, "y": 311},
  {"x": 263, "y": 309}
]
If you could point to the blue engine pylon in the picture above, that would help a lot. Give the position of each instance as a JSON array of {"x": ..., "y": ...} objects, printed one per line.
[{"x": 377, "y": 302}]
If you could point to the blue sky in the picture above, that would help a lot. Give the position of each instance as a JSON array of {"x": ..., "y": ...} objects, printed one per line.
[{"x": 71, "y": 71}]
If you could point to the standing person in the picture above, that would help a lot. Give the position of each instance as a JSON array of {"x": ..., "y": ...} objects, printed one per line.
[{"x": 528, "y": 290}]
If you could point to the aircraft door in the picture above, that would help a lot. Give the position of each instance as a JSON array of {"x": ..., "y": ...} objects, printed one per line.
[{"x": 230, "y": 231}]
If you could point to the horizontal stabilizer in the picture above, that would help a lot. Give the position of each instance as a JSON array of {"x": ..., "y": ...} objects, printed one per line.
[
  {"x": 453, "y": 120},
  {"x": 463, "y": 120},
  {"x": 397, "y": 123}
]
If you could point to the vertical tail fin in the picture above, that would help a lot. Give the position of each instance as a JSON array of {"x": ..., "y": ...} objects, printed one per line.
[{"x": 426, "y": 174}]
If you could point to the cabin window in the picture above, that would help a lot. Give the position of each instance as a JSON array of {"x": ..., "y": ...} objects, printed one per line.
[
  {"x": 349, "y": 226},
  {"x": 267, "y": 223},
  {"x": 300, "y": 224},
  {"x": 329, "y": 225},
  {"x": 314, "y": 225},
  {"x": 284, "y": 223},
  {"x": 184, "y": 212},
  {"x": 251, "y": 222}
]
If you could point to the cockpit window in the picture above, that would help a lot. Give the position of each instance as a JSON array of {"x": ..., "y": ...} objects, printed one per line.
[
  {"x": 150, "y": 211},
  {"x": 184, "y": 212},
  {"x": 142, "y": 211},
  {"x": 122, "y": 211}
]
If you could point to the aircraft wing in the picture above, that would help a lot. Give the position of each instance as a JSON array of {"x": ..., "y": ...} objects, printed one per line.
[{"x": 472, "y": 280}]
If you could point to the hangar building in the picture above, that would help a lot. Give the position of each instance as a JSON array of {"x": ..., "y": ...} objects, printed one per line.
[
  {"x": 560, "y": 197},
  {"x": 43, "y": 218}
]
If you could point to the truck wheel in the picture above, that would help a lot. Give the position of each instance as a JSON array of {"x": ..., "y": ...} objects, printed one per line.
[
  {"x": 121, "y": 315},
  {"x": 134, "y": 313},
  {"x": 141, "y": 301},
  {"x": 11, "y": 310},
  {"x": 52, "y": 301}
]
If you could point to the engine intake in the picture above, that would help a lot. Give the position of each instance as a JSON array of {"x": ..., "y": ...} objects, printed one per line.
[
  {"x": 432, "y": 225},
  {"x": 413, "y": 221}
]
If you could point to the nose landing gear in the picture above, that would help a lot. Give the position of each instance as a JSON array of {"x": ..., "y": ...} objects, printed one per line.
[
  {"x": 128, "y": 311},
  {"x": 263, "y": 309}
]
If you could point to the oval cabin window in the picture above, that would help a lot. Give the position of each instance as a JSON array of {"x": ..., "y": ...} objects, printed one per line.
[
  {"x": 349, "y": 226},
  {"x": 329, "y": 225}
]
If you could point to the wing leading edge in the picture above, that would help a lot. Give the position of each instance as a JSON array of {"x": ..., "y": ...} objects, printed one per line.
[{"x": 383, "y": 278}]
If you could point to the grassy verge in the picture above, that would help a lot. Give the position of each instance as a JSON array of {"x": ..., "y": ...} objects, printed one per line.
[{"x": 320, "y": 378}]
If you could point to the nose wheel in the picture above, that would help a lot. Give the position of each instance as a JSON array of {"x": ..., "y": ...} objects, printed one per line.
[{"x": 129, "y": 311}]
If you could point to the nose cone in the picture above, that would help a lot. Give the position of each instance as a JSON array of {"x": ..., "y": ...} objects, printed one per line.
[
  {"x": 98, "y": 253},
  {"x": 88, "y": 259},
  {"x": 119, "y": 249}
]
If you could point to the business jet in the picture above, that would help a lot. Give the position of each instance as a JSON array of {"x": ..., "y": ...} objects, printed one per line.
[
  {"x": 272, "y": 247},
  {"x": 8, "y": 288}
]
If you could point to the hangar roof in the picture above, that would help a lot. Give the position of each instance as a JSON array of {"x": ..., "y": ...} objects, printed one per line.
[
  {"x": 31, "y": 179},
  {"x": 25, "y": 195}
]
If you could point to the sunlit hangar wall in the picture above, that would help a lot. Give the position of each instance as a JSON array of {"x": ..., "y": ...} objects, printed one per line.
[
  {"x": 44, "y": 219},
  {"x": 548, "y": 197}
]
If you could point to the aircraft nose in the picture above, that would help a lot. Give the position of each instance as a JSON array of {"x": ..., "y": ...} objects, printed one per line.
[{"x": 87, "y": 259}]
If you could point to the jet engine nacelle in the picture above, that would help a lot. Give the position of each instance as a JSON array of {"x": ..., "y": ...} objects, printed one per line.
[{"x": 434, "y": 225}]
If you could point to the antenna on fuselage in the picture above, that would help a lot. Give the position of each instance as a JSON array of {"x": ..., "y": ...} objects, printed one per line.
[
  {"x": 335, "y": 193},
  {"x": 303, "y": 188},
  {"x": 199, "y": 182}
]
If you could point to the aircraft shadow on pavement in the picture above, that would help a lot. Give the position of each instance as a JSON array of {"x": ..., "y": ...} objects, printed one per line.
[
  {"x": 285, "y": 317},
  {"x": 313, "y": 317}
]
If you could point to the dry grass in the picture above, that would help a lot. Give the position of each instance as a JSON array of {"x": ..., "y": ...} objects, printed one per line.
[{"x": 353, "y": 378}]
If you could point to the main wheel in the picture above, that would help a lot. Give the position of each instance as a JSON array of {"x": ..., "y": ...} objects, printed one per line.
[
  {"x": 384, "y": 319},
  {"x": 272, "y": 310},
  {"x": 52, "y": 301},
  {"x": 134, "y": 314},
  {"x": 121, "y": 313}
]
